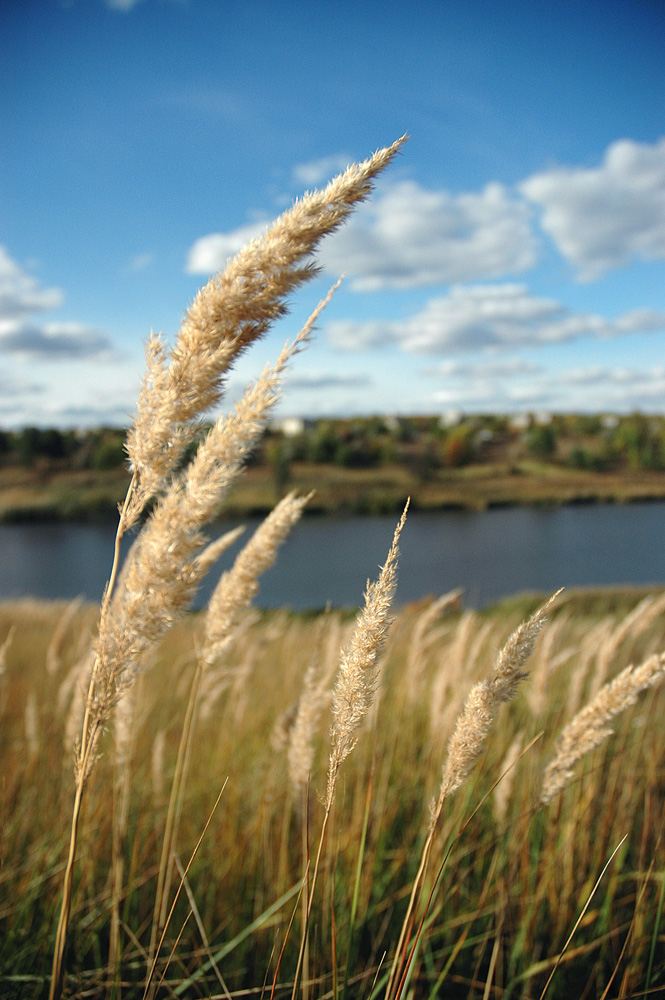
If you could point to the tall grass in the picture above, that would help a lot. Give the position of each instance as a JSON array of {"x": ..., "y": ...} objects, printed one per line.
[
  {"x": 432, "y": 836},
  {"x": 512, "y": 886}
]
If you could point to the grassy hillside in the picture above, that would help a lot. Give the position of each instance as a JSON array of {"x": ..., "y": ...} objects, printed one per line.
[{"x": 513, "y": 875}]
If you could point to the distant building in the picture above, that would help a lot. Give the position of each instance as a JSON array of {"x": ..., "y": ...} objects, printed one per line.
[
  {"x": 289, "y": 426},
  {"x": 520, "y": 421},
  {"x": 451, "y": 418}
]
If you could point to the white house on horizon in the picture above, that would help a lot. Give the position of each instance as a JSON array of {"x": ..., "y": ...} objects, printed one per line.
[{"x": 289, "y": 426}]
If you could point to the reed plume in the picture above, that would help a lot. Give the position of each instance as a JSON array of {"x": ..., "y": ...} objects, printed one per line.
[
  {"x": 503, "y": 791},
  {"x": 163, "y": 568},
  {"x": 464, "y": 747},
  {"x": 423, "y": 639},
  {"x": 234, "y": 592},
  {"x": 314, "y": 698},
  {"x": 356, "y": 679},
  {"x": 239, "y": 585},
  {"x": 233, "y": 310},
  {"x": 60, "y": 634},
  {"x": 483, "y": 702},
  {"x": 171, "y": 555},
  {"x": 642, "y": 615},
  {"x": 352, "y": 698},
  {"x": 590, "y": 727}
]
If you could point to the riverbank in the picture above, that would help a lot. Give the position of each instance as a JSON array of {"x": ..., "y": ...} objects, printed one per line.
[{"x": 28, "y": 495}]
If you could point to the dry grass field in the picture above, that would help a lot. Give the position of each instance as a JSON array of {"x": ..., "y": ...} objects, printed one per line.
[{"x": 517, "y": 873}]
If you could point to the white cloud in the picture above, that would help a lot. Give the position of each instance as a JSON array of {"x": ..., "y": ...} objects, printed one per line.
[
  {"x": 411, "y": 237},
  {"x": 490, "y": 385},
  {"x": 322, "y": 170},
  {"x": 53, "y": 341},
  {"x": 308, "y": 381},
  {"x": 10, "y": 386},
  {"x": 21, "y": 296},
  {"x": 613, "y": 389},
  {"x": 408, "y": 237},
  {"x": 210, "y": 253},
  {"x": 483, "y": 369},
  {"x": 604, "y": 217},
  {"x": 594, "y": 389},
  {"x": 498, "y": 317},
  {"x": 20, "y": 293}
]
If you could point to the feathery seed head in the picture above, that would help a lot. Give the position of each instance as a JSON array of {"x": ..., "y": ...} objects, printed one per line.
[
  {"x": 590, "y": 727},
  {"x": 234, "y": 309},
  {"x": 473, "y": 724},
  {"x": 356, "y": 680}
]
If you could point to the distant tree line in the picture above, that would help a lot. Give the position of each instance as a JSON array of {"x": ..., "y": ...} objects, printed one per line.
[
  {"x": 101, "y": 449},
  {"x": 427, "y": 446}
]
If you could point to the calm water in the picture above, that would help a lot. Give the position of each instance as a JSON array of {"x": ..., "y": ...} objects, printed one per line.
[{"x": 491, "y": 554}]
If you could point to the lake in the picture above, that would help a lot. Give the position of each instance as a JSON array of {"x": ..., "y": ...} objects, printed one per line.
[{"x": 491, "y": 554}]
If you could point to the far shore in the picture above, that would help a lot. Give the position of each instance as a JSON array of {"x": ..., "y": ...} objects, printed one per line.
[{"x": 28, "y": 495}]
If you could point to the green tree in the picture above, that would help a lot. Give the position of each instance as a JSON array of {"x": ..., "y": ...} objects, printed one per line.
[
  {"x": 27, "y": 445},
  {"x": 541, "y": 441},
  {"x": 108, "y": 450},
  {"x": 278, "y": 455},
  {"x": 457, "y": 448}
]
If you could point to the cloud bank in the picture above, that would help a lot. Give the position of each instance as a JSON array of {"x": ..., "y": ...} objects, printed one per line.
[
  {"x": 20, "y": 293},
  {"x": 411, "y": 237},
  {"x": 598, "y": 218},
  {"x": 482, "y": 317},
  {"x": 22, "y": 337},
  {"x": 53, "y": 341},
  {"x": 602, "y": 218}
]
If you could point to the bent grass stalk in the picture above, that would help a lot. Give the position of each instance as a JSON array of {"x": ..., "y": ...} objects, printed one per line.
[
  {"x": 235, "y": 590},
  {"x": 590, "y": 727},
  {"x": 352, "y": 698},
  {"x": 464, "y": 748},
  {"x": 161, "y": 571}
]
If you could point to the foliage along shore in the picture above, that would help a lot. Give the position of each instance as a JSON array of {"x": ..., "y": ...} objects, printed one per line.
[
  {"x": 38, "y": 496},
  {"x": 364, "y": 466}
]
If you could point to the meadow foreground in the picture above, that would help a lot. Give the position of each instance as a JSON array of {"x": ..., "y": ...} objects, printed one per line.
[{"x": 515, "y": 878}]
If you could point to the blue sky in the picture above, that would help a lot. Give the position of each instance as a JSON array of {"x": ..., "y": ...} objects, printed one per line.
[{"x": 512, "y": 258}]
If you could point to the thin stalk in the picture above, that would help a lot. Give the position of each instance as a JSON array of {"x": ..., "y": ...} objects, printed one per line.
[
  {"x": 305, "y": 933},
  {"x": 180, "y": 887},
  {"x": 286, "y": 938},
  {"x": 407, "y": 924},
  {"x": 119, "y": 831},
  {"x": 55, "y": 990},
  {"x": 305, "y": 898},
  {"x": 401, "y": 964},
  {"x": 356, "y": 886},
  {"x": 118, "y": 539},
  {"x": 581, "y": 916},
  {"x": 87, "y": 741},
  {"x": 656, "y": 928},
  {"x": 172, "y": 824}
]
